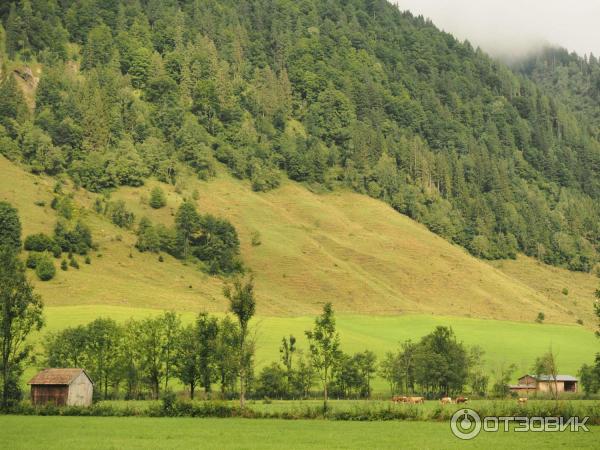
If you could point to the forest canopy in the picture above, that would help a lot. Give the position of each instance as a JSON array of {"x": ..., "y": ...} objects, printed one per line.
[{"x": 330, "y": 93}]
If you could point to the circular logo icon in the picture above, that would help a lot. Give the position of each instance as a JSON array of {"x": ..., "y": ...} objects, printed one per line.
[{"x": 465, "y": 424}]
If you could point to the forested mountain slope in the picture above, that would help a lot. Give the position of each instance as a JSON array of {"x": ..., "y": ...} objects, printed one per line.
[
  {"x": 341, "y": 247},
  {"x": 572, "y": 78},
  {"x": 338, "y": 93}
]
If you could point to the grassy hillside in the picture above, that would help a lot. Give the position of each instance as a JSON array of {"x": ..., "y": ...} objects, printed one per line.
[
  {"x": 520, "y": 343},
  {"x": 341, "y": 247}
]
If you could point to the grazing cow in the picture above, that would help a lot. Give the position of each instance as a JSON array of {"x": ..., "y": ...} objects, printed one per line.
[
  {"x": 399, "y": 399},
  {"x": 461, "y": 400},
  {"x": 445, "y": 400},
  {"x": 523, "y": 401},
  {"x": 415, "y": 400}
]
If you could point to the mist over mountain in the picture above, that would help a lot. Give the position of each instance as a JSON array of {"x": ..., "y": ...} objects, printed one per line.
[{"x": 512, "y": 29}]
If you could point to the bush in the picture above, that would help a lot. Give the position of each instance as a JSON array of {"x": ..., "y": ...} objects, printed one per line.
[
  {"x": 63, "y": 205},
  {"x": 99, "y": 206},
  {"x": 157, "y": 198},
  {"x": 32, "y": 260},
  {"x": 63, "y": 265},
  {"x": 56, "y": 250},
  {"x": 148, "y": 238},
  {"x": 540, "y": 317},
  {"x": 45, "y": 268},
  {"x": 119, "y": 214},
  {"x": 77, "y": 239},
  {"x": 88, "y": 260},
  {"x": 73, "y": 263},
  {"x": 39, "y": 243}
]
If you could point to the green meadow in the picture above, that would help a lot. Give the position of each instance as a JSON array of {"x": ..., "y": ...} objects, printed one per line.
[
  {"x": 21, "y": 432},
  {"x": 504, "y": 342}
]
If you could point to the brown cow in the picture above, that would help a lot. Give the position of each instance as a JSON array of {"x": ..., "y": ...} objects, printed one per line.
[
  {"x": 445, "y": 400},
  {"x": 399, "y": 399},
  {"x": 523, "y": 401},
  {"x": 415, "y": 400},
  {"x": 461, "y": 400}
]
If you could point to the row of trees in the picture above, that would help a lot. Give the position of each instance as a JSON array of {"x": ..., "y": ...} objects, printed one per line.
[
  {"x": 144, "y": 356},
  {"x": 352, "y": 93}
]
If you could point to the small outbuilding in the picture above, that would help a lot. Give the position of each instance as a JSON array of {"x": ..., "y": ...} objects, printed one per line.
[
  {"x": 545, "y": 383},
  {"x": 72, "y": 387}
]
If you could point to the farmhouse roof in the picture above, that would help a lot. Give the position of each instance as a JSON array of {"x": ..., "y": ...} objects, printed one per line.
[
  {"x": 551, "y": 378},
  {"x": 558, "y": 378},
  {"x": 62, "y": 377}
]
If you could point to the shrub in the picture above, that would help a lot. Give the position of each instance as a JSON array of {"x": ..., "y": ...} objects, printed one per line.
[
  {"x": 45, "y": 268},
  {"x": 73, "y": 263},
  {"x": 32, "y": 260},
  {"x": 56, "y": 250},
  {"x": 77, "y": 239},
  {"x": 119, "y": 214},
  {"x": 63, "y": 265},
  {"x": 99, "y": 206},
  {"x": 88, "y": 260},
  {"x": 39, "y": 243},
  {"x": 157, "y": 198},
  {"x": 256, "y": 241},
  {"x": 63, "y": 205},
  {"x": 148, "y": 238},
  {"x": 168, "y": 403},
  {"x": 540, "y": 317}
]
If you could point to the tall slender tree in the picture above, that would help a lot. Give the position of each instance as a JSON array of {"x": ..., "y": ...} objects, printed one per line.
[
  {"x": 243, "y": 305},
  {"x": 187, "y": 222},
  {"x": 324, "y": 348}
]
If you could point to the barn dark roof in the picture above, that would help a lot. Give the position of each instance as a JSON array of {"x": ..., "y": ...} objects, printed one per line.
[
  {"x": 558, "y": 378},
  {"x": 57, "y": 376},
  {"x": 551, "y": 378}
]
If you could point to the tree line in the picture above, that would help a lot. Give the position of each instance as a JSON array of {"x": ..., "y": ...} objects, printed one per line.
[
  {"x": 142, "y": 358},
  {"x": 340, "y": 93}
]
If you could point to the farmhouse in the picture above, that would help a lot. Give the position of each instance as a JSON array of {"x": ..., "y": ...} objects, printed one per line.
[
  {"x": 60, "y": 387},
  {"x": 544, "y": 383}
]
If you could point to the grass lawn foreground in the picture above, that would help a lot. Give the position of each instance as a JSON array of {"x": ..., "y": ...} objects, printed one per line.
[{"x": 25, "y": 432}]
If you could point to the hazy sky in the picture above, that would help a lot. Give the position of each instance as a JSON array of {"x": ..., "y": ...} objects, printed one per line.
[{"x": 513, "y": 27}]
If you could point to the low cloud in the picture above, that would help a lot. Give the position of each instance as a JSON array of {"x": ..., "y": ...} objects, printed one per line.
[{"x": 513, "y": 28}]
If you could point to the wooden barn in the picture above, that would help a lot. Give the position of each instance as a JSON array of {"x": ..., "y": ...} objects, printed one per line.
[
  {"x": 545, "y": 383},
  {"x": 72, "y": 387}
]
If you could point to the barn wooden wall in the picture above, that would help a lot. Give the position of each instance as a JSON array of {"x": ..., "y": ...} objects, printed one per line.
[{"x": 81, "y": 391}]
